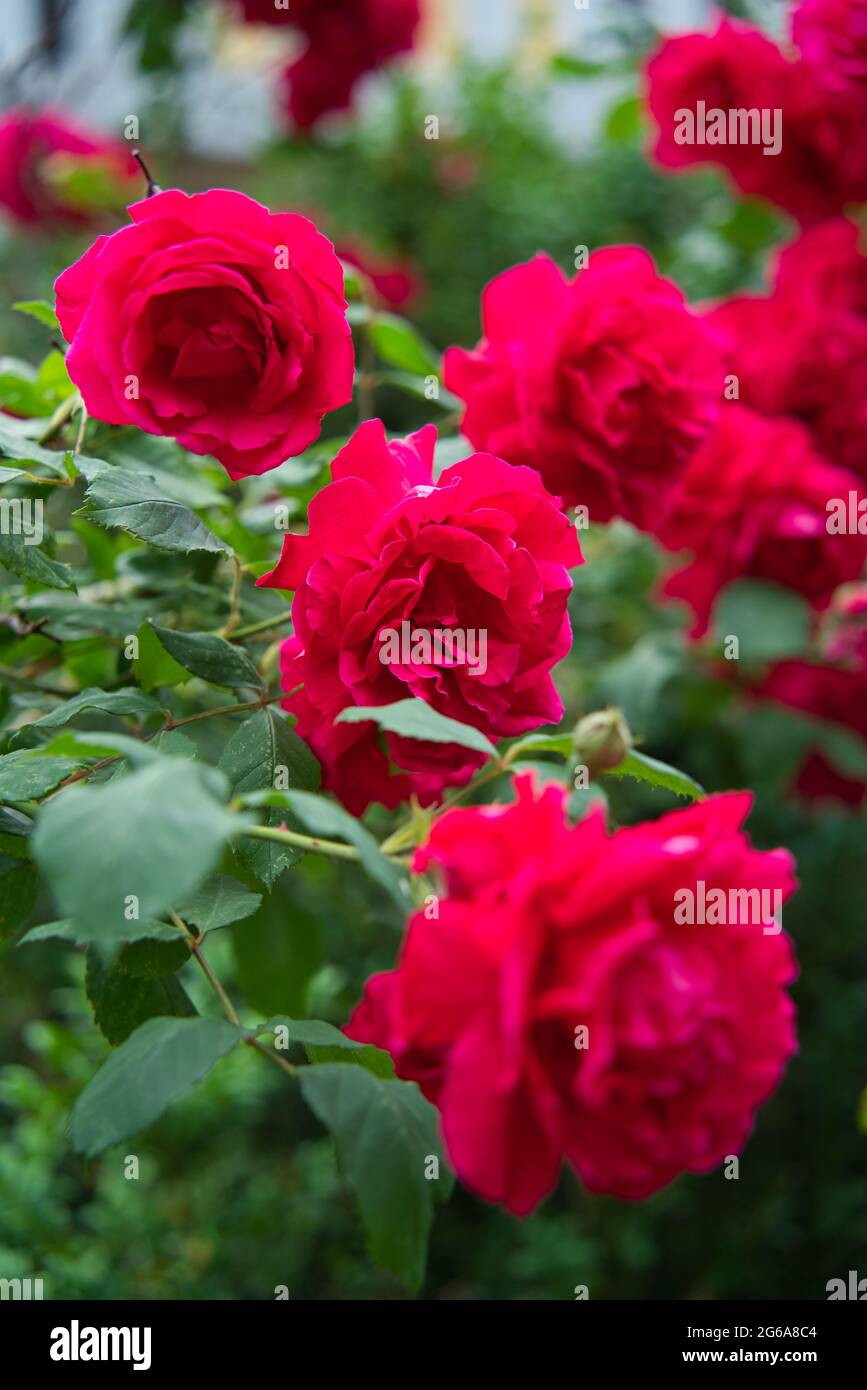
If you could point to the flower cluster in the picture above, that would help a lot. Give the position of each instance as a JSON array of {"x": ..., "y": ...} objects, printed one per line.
[
  {"x": 606, "y": 383},
  {"x": 555, "y": 1009},
  {"x": 818, "y": 163}
]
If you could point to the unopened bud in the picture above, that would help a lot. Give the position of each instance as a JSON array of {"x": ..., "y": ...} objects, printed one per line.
[{"x": 602, "y": 739}]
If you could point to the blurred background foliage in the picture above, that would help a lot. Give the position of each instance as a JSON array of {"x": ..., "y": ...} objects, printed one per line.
[{"x": 238, "y": 1191}]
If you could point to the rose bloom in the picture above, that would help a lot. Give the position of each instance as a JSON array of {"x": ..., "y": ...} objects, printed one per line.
[
  {"x": 606, "y": 383},
  {"x": 822, "y": 162},
  {"x": 802, "y": 351},
  {"x": 345, "y": 39},
  {"x": 827, "y": 262},
  {"x": 37, "y": 149},
  {"x": 832, "y": 37},
  {"x": 832, "y": 689},
  {"x": 484, "y": 549},
  {"x": 212, "y": 320},
  {"x": 753, "y": 504},
  {"x": 545, "y": 928}
]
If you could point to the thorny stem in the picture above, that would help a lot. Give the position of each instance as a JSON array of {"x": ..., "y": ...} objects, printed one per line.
[
  {"x": 228, "y": 1007},
  {"x": 263, "y": 626},
  {"x": 282, "y": 836},
  {"x": 171, "y": 724},
  {"x": 196, "y": 950},
  {"x": 63, "y": 412},
  {"x": 152, "y": 185},
  {"x": 235, "y": 599},
  {"x": 268, "y": 1052},
  {"x": 82, "y": 425}
]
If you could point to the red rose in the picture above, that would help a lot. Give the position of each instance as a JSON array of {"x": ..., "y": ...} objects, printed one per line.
[
  {"x": 212, "y": 320},
  {"x": 820, "y": 163},
  {"x": 827, "y": 263},
  {"x": 753, "y": 504},
  {"x": 38, "y": 149},
  {"x": 393, "y": 558},
  {"x": 546, "y": 930},
  {"x": 832, "y": 37},
  {"x": 606, "y": 383},
  {"x": 802, "y": 350}
]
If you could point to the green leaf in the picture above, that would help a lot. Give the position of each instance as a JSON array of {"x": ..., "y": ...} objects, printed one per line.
[
  {"x": 656, "y": 774},
  {"x": 19, "y": 884},
  {"x": 14, "y": 445},
  {"x": 385, "y": 1133},
  {"x": 373, "y": 1059},
  {"x": 277, "y": 953},
  {"x": 123, "y": 703},
  {"x": 81, "y": 933},
  {"x": 219, "y": 902},
  {"x": 416, "y": 719},
  {"x": 154, "y": 666},
  {"x": 306, "y": 1031},
  {"x": 154, "y": 1067},
  {"x": 625, "y": 122},
  {"x": 210, "y": 657},
  {"x": 261, "y": 754},
  {"x": 39, "y": 309},
  {"x": 330, "y": 821},
  {"x": 563, "y": 744},
  {"x": 26, "y": 776},
  {"x": 121, "y": 1003},
  {"x": 31, "y": 563},
  {"x": 399, "y": 344},
  {"x": 770, "y": 622},
  {"x": 120, "y": 498},
  {"x": 153, "y": 960},
  {"x": 138, "y": 842},
  {"x": 567, "y": 65}
]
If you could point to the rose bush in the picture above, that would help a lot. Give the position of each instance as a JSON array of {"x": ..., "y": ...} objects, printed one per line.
[{"x": 201, "y": 734}]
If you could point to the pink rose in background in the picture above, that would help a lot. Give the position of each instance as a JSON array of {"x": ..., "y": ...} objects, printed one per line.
[
  {"x": 395, "y": 280},
  {"x": 821, "y": 163},
  {"x": 483, "y": 550},
  {"x": 545, "y": 928},
  {"x": 606, "y": 383},
  {"x": 36, "y": 148},
  {"x": 214, "y": 321},
  {"x": 753, "y": 504},
  {"x": 344, "y": 39}
]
